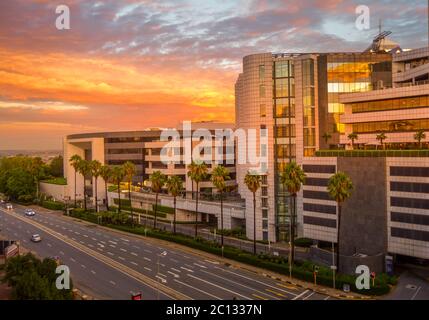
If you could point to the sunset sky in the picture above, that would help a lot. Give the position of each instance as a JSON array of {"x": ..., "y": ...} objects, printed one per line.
[{"x": 128, "y": 65}]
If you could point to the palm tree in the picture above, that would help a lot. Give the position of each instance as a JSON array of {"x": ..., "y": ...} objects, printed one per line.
[
  {"x": 95, "y": 167},
  {"x": 219, "y": 175},
  {"x": 419, "y": 136},
  {"x": 117, "y": 176},
  {"x": 74, "y": 162},
  {"x": 197, "y": 171},
  {"x": 106, "y": 173},
  {"x": 84, "y": 169},
  {"x": 292, "y": 179},
  {"x": 36, "y": 168},
  {"x": 352, "y": 137},
  {"x": 253, "y": 183},
  {"x": 130, "y": 171},
  {"x": 326, "y": 136},
  {"x": 157, "y": 179},
  {"x": 381, "y": 137},
  {"x": 174, "y": 187},
  {"x": 339, "y": 188}
]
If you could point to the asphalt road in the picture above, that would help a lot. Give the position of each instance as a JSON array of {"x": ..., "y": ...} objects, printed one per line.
[{"x": 185, "y": 273}]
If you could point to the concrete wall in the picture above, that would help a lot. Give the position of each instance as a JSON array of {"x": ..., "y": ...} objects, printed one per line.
[{"x": 59, "y": 192}]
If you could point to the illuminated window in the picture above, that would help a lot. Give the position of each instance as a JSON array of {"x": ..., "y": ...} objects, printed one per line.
[
  {"x": 261, "y": 72},
  {"x": 262, "y": 91},
  {"x": 263, "y": 110}
]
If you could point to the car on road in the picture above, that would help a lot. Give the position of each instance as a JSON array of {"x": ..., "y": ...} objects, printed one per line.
[
  {"x": 9, "y": 206},
  {"x": 30, "y": 212},
  {"x": 36, "y": 238}
]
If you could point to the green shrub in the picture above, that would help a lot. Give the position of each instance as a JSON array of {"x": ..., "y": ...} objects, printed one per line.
[
  {"x": 303, "y": 242},
  {"x": 163, "y": 209},
  {"x": 52, "y": 205},
  {"x": 59, "y": 181},
  {"x": 124, "y": 202}
]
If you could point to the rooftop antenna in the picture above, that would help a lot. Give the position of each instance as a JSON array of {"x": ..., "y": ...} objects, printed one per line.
[{"x": 377, "y": 41}]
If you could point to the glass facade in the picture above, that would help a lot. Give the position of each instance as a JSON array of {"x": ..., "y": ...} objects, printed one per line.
[
  {"x": 354, "y": 73},
  {"x": 391, "y": 126},
  {"x": 284, "y": 131},
  {"x": 391, "y": 104},
  {"x": 308, "y": 99}
]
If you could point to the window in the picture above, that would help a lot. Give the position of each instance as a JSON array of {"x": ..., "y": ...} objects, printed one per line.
[
  {"x": 409, "y": 187},
  {"x": 314, "y": 168},
  {"x": 320, "y": 195},
  {"x": 410, "y": 234},
  {"x": 123, "y": 151},
  {"x": 409, "y": 171},
  {"x": 391, "y": 126},
  {"x": 262, "y": 91},
  {"x": 410, "y": 218},
  {"x": 265, "y": 235},
  {"x": 330, "y": 223},
  {"x": 261, "y": 72},
  {"x": 262, "y": 111},
  {"x": 319, "y": 182},
  {"x": 281, "y": 69},
  {"x": 283, "y": 108},
  {"x": 264, "y": 213},
  {"x": 311, "y": 207},
  {"x": 409, "y": 203},
  {"x": 282, "y": 88},
  {"x": 264, "y": 224}
]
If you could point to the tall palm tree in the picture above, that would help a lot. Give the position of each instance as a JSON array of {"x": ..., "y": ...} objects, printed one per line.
[
  {"x": 326, "y": 136},
  {"x": 339, "y": 189},
  {"x": 36, "y": 168},
  {"x": 381, "y": 137},
  {"x": 219, "y": 175},
  {"x": 95, "y": 167},
  {"x": 174, "y": 187},
  {"x": 253, "y": 183},
  {"x": 419, "y": 136},
  {"x": 197, "y": 171},
  {"x": 106, "y": 173},
  {"x": 352, "y": 137},
  {"x": 117, "y": 176},
  {"x": 84, "y": 169},
  {"x": 157, "y": 180},
  {"x": 130, "y": 171},
  {"x": 74, "y": 162},
  {"x": 292, "y": 179}
]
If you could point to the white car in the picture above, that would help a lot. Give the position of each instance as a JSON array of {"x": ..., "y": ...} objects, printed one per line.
[
  {"x": 30, "y": 212},
  {"x": 36, "y": 238},
  {"x": 9, "y": 206}
]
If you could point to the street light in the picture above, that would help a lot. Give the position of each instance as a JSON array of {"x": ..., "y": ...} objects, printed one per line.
[{"x": 162, "y": 254}]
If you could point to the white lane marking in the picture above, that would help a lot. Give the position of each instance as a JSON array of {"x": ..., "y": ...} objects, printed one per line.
[
  {"x": 213, "y": 262},
  {"x": 90, "y": 245},
  {"x": 93, "y": 272},
  {"x": 72, "y": 259},
  {"x": 204, "y": 292},
  {"x": 173, "y": 274},
  {"x": 327, "y": 298},
  {"x": 415, "y": 294},
  {"x": 86, "y": 236},
  {"x": 112, "y": 282},
  {"x": 99, "y": 249},
  {"x": 49, "y": 245},
  {"x": 300, "y": 295},
  {"x": 62, "y": 253},
  {"x": 108, "y": 252},
  {"x": 136, "y": 247},
  {"x": 134, "y": 254},
  {"x": 174, "y": 260},
  {"x": 122, "y": 258},
  {"x": 122, "y": 249},
  {"x": 161, "y": 278},
  {"x": 103, "y": 242},
  {"x": 83, "y": 266},
  {"x": 148, "y": 251},
  {"x": 100, "y": 245},
  {"x": 217, "y": 286},
  {"x": 77, "y": 232},
  {"x": 260, "y": 282},
  {"x": 200, "y": 265},
  {"x": 311, "y": 294},
  {"x": 73, "y": 239},
  {"x": 147, "y": 259},
  {"x": 134, "y": 263},
  {"x": 113, "y": 242},
  {"x": 111, "y": 245},
  {"x": 93, "y": 239},
  {"x": 174, "y": 269},
  {"x": 186, "y": 269},
  {"x": 148, "y": 269},
  {"x": 123, "y": 239}
]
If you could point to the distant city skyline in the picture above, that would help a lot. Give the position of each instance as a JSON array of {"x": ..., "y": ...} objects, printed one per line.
[{"x": 128, "y": 65}]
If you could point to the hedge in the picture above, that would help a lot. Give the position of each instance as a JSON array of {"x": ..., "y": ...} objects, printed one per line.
[
  {"x": 301, "y": 270},
  {"x": 163, "y": 209},
  {"x": 138, "y": 210},
  {"x": 124, "y": 202},
  {"x": 52, "y": 205},
  {"x": 303, "y": 242}
]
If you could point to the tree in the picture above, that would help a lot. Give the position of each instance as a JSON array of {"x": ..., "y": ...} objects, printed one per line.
[
  {"x": 95, "y": 167},
  {"x": 381, "y": 137},
  {"x": 74, "y": 162},
  {"x": 326, "y": 136},
  {"x": 352, "y": 137},
  {"x": 56, "y": 167},
  {"x": 117, "y": 176},
  {"x": 174, "y": 187},
  {"x": 339, "y": 189},
  {"x": 219, "y": 175},
  {"x": 157, "y": 180},
  {"x": 197, "y": 171},
  {"x": 253, "y": 183},
  {"x": 84, "y": 168},
  {"x": 20, "y": 185},
  {"x": 292, "y": 179},
  {"x": 419, "y": 136},
  {"x": 129, "y": 171},
  {"x": 106, "y": 173}
]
